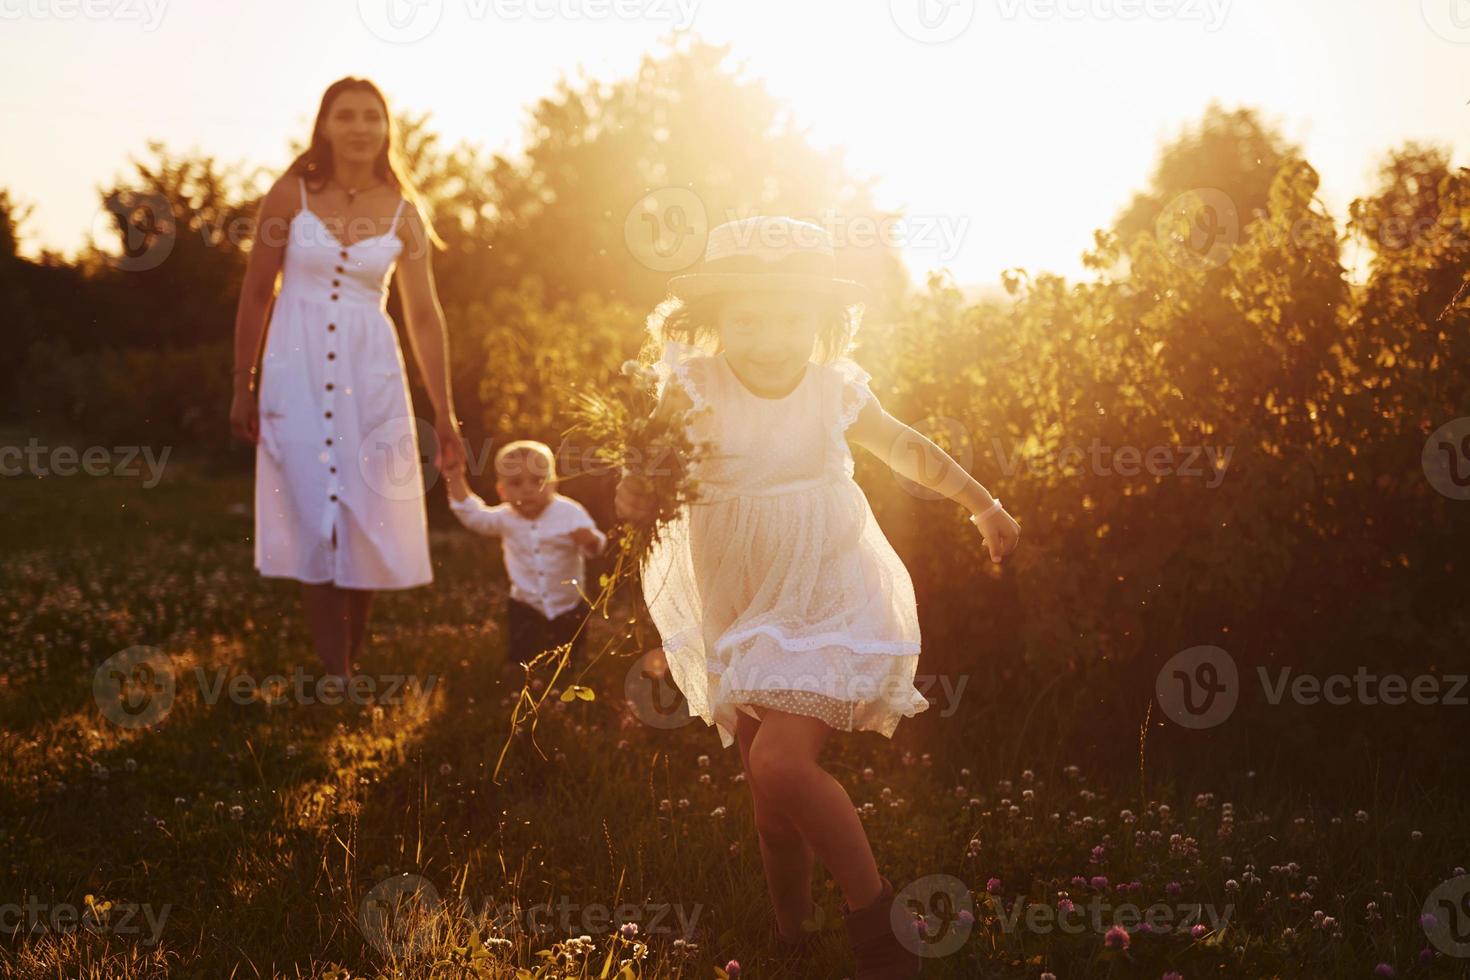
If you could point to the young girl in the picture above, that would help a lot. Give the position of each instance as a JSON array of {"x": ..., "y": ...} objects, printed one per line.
[{"x": 784, "y": 612}]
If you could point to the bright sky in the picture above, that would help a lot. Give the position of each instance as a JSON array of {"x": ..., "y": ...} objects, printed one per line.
[{"x": 1009, "y": 129}]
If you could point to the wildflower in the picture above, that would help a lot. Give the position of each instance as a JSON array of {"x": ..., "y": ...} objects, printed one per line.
[
  {"x": 628, "y": 930},
  {"x": 993, "y": 886},
  {"x": 1384, "y": 970},
  {"x": 1173, "y": 889},
  {"x": 237, "y": 812},
  {"x": 1362, "y": 817},
  {"x": 733, "y": 968},
  {"x": 1416, "y": 836},
  {"x": 1099, "y": 882},
  {"x": 1117, "y": 939},
  {"x": 718, "y": 811},
  {"x": 703, "y": 762},
  {"x": 1197, "y": 931},
  {"x": 966, "y": 917}
]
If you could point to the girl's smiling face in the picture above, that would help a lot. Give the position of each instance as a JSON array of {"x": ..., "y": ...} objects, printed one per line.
[{"x": 768, "y": 337}]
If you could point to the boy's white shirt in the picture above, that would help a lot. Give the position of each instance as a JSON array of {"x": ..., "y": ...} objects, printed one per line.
[{"x": 540, "y": 558}]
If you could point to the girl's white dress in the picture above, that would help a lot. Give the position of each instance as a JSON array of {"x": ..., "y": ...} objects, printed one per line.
[
  {"x": 339, "y": 496},
  {"x": 777, "y": 588}
]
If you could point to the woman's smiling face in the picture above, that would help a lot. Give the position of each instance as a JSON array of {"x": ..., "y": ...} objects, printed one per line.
[
  {"x": 356, "y": 126},
  {"x": 769, "y": 336}
]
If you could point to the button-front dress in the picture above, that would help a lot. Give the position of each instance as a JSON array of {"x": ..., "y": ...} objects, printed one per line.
[
  {"x": 777, "y": 588},
  {"x": 339, "y": 495}
]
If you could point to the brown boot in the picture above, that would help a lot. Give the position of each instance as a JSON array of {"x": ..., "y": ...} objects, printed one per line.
[{"x": 880, "y": 954}]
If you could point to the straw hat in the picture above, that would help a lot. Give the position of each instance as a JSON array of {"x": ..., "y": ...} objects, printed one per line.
[{"x": 767, "y": 253}]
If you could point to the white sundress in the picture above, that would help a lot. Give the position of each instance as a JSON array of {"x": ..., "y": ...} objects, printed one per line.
[
  {"x": 339, "y": 495},
  {"x": 777, "y": 588}
]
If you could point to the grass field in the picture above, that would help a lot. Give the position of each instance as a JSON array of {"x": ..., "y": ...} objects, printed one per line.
[{"x": 236, "y": 837}]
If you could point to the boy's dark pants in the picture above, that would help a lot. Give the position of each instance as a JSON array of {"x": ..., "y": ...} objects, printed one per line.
[{"x": 530, "y": 632}]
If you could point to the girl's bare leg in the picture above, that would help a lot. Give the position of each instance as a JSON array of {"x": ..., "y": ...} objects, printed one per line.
[
  {"x": 787, "y": 858},
  {"x": 327, "y": 617},
  {"x": 784, "y": 767},
  {"x": 359, "y": 603}
]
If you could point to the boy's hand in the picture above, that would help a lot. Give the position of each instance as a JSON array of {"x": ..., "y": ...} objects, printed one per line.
[
  {"x": 634, "y": 499},
  {"x": 1000, "y": 531},
  {"x": 584, "y": 539},
  {"x": 456, "y": 482}
]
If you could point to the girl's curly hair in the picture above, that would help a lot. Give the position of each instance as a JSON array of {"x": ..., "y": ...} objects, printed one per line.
[{"x": 696, "y": 323}]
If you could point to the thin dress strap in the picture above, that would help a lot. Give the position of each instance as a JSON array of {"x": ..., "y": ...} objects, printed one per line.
[
  {"x": 301, "y": 182},
  {"x": 394, "y": 226}
]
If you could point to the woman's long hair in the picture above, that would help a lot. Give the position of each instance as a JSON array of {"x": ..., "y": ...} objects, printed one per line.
[{"x": 315, "y": 165}]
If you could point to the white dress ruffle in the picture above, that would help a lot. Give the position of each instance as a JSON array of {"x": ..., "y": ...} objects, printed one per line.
[{"x": 777, "y": 588}]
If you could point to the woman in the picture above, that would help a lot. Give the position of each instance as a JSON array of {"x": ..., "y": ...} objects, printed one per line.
[{"x": 339, "y": 497}]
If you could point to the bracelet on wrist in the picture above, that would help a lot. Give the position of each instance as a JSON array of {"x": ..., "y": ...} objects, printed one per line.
[{"x": 994, "y": 506}]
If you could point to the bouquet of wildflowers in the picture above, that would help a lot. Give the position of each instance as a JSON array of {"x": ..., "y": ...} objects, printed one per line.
[{"x": 629, "y": 438}]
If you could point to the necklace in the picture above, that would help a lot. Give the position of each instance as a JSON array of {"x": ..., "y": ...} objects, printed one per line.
[{"x": 353, "y": 191}]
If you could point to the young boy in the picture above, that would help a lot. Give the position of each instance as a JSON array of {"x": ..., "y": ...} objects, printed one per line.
[{"x": 545, "y": 538}]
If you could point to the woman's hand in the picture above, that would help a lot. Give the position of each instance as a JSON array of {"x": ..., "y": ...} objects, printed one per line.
[
  {"x": 634, "y": 499},
  {"x": 449, "y": 457},
  {"x": 245, "y": 415},
  {"x": 1000, "y": 531}
]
